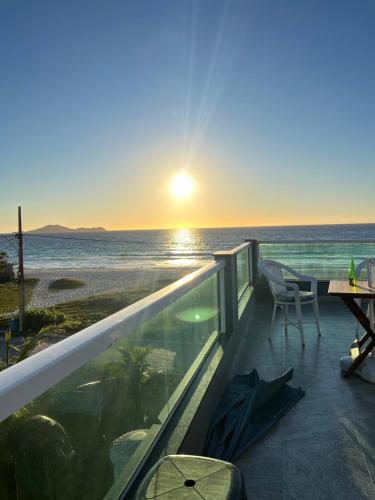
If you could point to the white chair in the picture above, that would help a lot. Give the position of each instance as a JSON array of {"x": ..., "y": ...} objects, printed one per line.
[
  {"x": 370, "y": 307},
  {"x": 286, "y": 293}
]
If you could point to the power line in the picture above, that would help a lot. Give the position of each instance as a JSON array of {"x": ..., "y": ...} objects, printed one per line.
[
  {"x": 4, "y": 249},
  {"x": 10, "y": 239},
  {"x": 11, "y": 244}
]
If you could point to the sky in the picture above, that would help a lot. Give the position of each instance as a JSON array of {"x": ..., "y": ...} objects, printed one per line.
[{"x": 267, "y": 104}]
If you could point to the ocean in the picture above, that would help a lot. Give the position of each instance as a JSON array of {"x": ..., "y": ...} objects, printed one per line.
[{"x": 194, "y": 247}]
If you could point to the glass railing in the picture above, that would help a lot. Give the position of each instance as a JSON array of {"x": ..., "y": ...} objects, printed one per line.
[
  {"x": 324, "y": 259},
  {"x": 93, "y": 425},
  {"x": 243, "y": 277},
  {"x": 79, "y": 419}
]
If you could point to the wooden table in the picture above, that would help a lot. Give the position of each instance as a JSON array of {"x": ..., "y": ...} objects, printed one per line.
[{"x": 348, "y": 293}]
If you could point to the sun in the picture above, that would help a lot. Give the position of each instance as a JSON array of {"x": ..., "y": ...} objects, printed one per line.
[{"x": 181, "y": 186}]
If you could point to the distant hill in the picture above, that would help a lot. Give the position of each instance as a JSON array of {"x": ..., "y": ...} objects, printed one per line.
[{"x": 56, "y": 228}]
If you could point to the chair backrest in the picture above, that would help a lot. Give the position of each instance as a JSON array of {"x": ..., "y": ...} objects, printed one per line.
[
  {"x": 359, "y": 268},
  {"x": 272, "y": 270}
]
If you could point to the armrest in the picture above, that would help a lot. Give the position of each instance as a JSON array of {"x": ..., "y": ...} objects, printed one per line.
[
  {"x": 268, "y": 274},
  {"x": 292, "y": 286},
  {"x": 289, "y": 286},
  {"x": 313, "y": 281}
]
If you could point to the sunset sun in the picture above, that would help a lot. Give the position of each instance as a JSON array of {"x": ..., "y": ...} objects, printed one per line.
[{"x": 181, "y": 186}]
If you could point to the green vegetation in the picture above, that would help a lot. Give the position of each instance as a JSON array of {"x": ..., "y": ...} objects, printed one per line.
[
  {"x": 38, "y": 318},
  {"x": 84, "y": 312},
  {"x": 36, "y": 322},
  {"x": 69, "y": 317},
  {"x": 15, "y": 354},
  {"x": 6, "y": 268},
  {"x": 66, "y": 284},
  {"x": 71, "y": 430},
  {"x": 68, "y": 432},
  {"x": 37, "y": 459},
  {"x": 9, "y": 294}
]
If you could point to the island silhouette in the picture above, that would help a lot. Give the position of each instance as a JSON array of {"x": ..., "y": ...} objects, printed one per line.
[{"x": 56, "y": 228}]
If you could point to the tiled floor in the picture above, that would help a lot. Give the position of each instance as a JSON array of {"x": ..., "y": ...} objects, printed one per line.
[{"x": 324, "y": 448}]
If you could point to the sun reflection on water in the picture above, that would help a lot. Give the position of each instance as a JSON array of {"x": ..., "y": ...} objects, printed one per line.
[
  {"x": 185, "y": 245},
  {"x": 183, "y": 238}
]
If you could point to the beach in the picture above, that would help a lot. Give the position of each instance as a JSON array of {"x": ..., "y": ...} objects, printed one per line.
[
  {"x": 130, "y": 260},
  {"x": 122, "y": 286},
  {"x": 97, "y": 281}
]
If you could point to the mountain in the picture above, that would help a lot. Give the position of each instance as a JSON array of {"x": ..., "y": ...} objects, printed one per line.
[{"x": 56, "y": 228}]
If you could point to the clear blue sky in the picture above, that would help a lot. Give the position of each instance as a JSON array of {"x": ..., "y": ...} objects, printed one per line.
[{"x": 268, "y": 104}]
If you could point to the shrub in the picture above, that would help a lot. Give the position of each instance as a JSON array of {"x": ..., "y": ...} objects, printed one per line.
[
  {"x": 6, "y": 268},
  {"x": 66, "y": 284},
  {"x": 36, "y": 319},
  {"x": 68, "y": 326}
]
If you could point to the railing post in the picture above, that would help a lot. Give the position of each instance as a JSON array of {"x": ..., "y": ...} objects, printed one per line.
[
  {"x": 253, "y": 260},
  {"x": 230, "y": 290}
]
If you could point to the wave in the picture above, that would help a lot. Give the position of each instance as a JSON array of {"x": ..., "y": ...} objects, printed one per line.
[{"x": 163, "y": 255}]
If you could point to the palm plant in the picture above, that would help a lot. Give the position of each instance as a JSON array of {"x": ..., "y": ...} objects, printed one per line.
[{"x": 21, "y": 352}]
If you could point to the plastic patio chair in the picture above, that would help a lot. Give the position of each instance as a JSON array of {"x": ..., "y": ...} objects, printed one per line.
[
  {"x": 370, "y": 307},
  {"x": 287, "y": 294}
]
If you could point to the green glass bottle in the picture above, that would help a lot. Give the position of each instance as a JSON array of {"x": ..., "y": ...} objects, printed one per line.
[{"x": 352, "y": 280}]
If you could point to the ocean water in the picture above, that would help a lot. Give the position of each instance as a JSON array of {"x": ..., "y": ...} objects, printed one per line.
[{"x": 194, "y": 247}]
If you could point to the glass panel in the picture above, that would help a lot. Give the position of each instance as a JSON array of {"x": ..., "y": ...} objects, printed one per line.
[
  {"x": 242, "y": 271},
  {"x": 243, "y": 289},
  {"x": 92, "y": 429},
  {"x": 323, "y": 260},
  {"x": 251, "y": 263}
]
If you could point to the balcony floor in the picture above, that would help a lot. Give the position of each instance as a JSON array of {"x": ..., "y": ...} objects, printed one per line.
[{"x": 324, "y": 448}]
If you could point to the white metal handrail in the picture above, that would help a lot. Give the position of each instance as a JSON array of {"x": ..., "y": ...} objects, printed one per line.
[
  {"x": 311, "y": 242},
  {"x": 30, "y": 378},
  {"x": 232, "y": 251}
]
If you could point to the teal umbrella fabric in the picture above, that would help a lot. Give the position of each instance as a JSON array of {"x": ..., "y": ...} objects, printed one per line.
[{"x": 249, "y": 407}]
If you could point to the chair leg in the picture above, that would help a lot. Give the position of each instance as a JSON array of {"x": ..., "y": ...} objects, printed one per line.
[
  {"x": 316, "y": 314},
  {"x": 273, "y": 319},
  {"x": 300, "y": 322},
  {"x": 285, "y": 308}
]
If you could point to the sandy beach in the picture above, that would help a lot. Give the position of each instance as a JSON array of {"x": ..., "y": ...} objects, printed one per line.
[{"x": 97, "y": 281}]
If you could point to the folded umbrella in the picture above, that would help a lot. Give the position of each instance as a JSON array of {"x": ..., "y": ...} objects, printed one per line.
[{"x": 248, "y": 408}]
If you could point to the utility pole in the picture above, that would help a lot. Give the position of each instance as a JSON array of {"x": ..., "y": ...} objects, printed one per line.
[{"x": 21, "y": 277}]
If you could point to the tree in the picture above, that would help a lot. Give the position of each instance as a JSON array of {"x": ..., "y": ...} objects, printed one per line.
[{"x": 6, "y": 268}]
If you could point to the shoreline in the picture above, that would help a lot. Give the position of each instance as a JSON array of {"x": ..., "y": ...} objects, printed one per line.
[{"x": 97, "y": 281}]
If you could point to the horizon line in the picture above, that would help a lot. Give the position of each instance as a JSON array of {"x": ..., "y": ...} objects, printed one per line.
[{"x": 174, "y": 228}]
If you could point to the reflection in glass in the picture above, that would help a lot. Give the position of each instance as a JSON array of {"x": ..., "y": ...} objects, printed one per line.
[{"x": 88, "y": 433}]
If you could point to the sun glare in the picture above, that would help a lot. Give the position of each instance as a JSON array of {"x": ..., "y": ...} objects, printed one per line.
[{"x": 181, "y": 186}]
